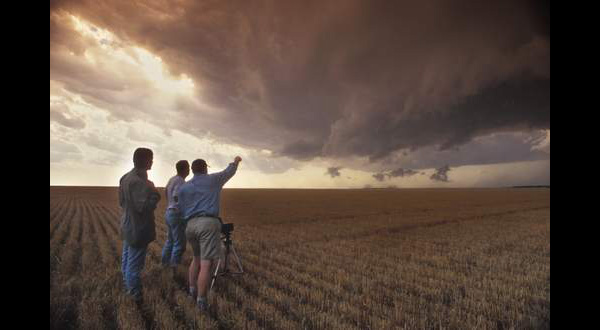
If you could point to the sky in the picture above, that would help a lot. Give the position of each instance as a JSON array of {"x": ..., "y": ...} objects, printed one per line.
[{"x": 311, "y": 94}]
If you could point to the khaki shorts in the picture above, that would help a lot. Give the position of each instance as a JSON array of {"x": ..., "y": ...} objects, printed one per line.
[{"x": 204, "y": 235}]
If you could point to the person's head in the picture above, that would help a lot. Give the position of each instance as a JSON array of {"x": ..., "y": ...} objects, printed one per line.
[
  {"x": 142, "y": 158},
  {"x": 183, "y": 168},
  {"x": 199, "y": 166}
]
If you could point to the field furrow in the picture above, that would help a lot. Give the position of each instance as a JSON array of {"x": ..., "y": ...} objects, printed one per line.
[
  {"x": 57, "y": 211},
  {"x": 65, "y": 288},
  {"x": 96, "y": 307},
  {"x": 109, "y": 248},
  {"x": 62, "y": 235},
  {"x": 70, "y": 253},
  {"x": 66, "y": 210},
  {"x": 315, "y": 260},
  {"x": 114, "y": 221}
]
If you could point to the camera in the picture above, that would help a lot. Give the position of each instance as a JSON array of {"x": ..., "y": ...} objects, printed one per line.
[
  {"x": 228, "y": 254},
  {"x": 226, "y": 228}
]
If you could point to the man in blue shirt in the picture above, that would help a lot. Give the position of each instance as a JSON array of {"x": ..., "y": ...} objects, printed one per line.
[{"x": 199, "y": 204}]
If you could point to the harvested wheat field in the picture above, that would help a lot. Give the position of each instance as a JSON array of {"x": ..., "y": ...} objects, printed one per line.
[{"x": 320, "y": 259}]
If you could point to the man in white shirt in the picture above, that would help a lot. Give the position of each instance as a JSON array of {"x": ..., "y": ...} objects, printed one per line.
[{"x": 176, "y": 240}]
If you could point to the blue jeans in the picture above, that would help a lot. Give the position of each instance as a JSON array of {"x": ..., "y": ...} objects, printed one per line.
[
  {"x": 132, "y": 263},
  {"x": 175, "y": 243}
]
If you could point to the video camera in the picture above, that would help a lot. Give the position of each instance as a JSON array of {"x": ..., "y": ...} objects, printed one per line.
[
  {"x": 222, "y": 268},
  {"x": 226, "y": 228}
]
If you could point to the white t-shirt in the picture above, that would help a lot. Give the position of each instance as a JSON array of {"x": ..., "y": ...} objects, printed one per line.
[{"x": 172, "y": 189}]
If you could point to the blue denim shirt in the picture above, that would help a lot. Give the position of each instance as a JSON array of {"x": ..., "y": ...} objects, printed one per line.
[{"x": 202, "y": 193}]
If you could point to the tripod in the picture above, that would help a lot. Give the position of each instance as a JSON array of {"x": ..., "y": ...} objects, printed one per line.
[{"x": 224, "y": 271}]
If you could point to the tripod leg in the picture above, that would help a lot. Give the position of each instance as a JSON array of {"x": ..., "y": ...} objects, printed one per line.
[
  {"x": 226, "y": 264},
  {"x": 237, "y": 258},
  {"x": 214, "y": 277}
]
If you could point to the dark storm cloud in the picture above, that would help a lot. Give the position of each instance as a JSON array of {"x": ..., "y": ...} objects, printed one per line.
[
  {"x": 333, "y": 79},
  {"x": 399, "y": 172},
  {"x": 489, "y": 149},
  {"x": 379, "y": 176},
  {"x": 441, "y": 174},
  {"x": 301, "y": 150},
  {"x": 402, "y": 172},
  {"x": 333, "y": 171}
]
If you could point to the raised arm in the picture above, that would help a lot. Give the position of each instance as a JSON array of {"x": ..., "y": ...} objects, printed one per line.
[{"x": 229, "y": 172}]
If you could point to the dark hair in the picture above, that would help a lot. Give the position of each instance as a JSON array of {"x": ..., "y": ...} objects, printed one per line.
[
  {"x": 141, "y": 157},
  {"x": 199, "y": 166},
  {"x": 182, "y": 166}
]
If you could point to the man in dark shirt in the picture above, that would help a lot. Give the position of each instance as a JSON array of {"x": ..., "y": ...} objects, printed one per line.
[{"x": 138, "y": 198}]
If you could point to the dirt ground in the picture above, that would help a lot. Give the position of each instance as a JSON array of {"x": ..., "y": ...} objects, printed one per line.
[{"x": 320, "y": 259}]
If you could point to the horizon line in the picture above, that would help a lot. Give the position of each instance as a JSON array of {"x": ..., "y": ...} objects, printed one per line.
[{"x": 333, "y": 188}]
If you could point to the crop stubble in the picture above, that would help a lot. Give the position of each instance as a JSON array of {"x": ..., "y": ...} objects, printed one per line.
[{"x": 423, "y": 258}]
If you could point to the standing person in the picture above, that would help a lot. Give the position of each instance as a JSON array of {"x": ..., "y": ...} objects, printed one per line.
[
  {"x": 175, "y": 243},
  {"x": 199, "y": 203},
  {"x": 138, "y": 198}
]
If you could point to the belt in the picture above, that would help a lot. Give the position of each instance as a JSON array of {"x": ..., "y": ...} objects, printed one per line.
[{"x": 202, "y": 214}]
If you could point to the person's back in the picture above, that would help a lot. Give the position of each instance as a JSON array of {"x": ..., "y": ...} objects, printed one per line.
[
  {"x": 138, "y": 198},
  {"x": 201, "y": 195},
  {"x": 199, "y": 203},
  {"x": 172, "y": 191},
  {"x": 175, "y": 243}
]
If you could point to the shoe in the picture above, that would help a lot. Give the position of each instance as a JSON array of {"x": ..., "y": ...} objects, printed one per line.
[
  {"x": 125, "y": 289},
  {"x": 193, "y": 293},
  {"x": 202, "y": 305},
  {"x": 135, "y": 294},
  {"x": 138, "y": 298}
]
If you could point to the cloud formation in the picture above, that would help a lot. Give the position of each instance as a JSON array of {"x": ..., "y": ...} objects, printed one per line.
[
  {"x": 441, "y": 174},
  {"x": 62, "y": 151},
  {"x": 311, "y": 79},
  {"x": 399, "y": 172},
  {"x": 379, "y": 176},
  {"x": 504, "y": 147},
  {"x": 333, "y": 171},
  {"x": 540, "y": 141},
  {"x": 60, "y": 113}
]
